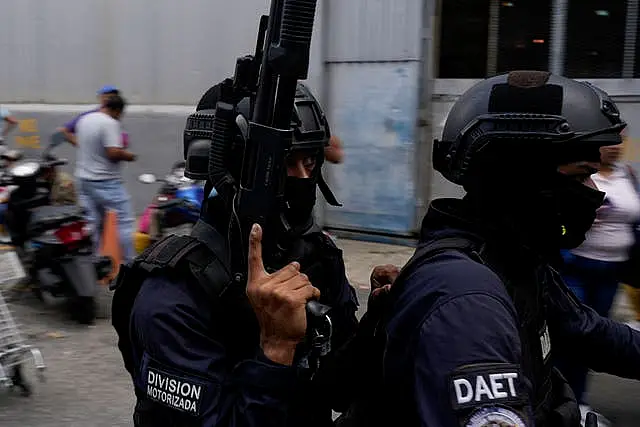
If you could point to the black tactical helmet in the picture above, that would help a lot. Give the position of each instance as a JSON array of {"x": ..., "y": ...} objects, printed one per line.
[
  {"x": 310, "y": 133},
  {"x": 525, "y": 116},
  {"x": 308, "y": 121}
]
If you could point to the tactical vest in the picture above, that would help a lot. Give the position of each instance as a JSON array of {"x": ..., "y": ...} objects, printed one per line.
[
  {"x": 172, "y": 257},
  {"x": 385, "y": 403},
  {"x": 199, "y": 260}
]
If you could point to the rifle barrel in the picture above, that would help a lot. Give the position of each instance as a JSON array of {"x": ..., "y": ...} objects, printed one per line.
[{"x": 268, "y": 81}]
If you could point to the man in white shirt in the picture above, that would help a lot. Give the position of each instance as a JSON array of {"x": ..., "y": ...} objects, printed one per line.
[{"x": 99, "y": 179}]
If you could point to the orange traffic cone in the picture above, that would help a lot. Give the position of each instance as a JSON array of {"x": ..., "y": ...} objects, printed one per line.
[{"x": 110, "y": 246}]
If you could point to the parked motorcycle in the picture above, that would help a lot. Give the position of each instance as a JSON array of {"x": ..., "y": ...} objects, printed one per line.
[
  {"x": 53, "y": 243},
  {"x": 174, "y": 209},
  {"x": 7, "y": 158}
]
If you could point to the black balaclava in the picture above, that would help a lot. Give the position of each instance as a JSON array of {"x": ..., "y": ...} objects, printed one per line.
[
  {"x": 301, "y": 198},
  {"x": 575, "y": 207},
  {"x": 300, "y": 195},
  {"x": 545, "y": 211}
]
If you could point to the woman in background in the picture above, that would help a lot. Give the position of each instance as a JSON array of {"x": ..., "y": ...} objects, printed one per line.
[
  {"x": 592, "y": 270},
  {"x": 633, "y": 294}
]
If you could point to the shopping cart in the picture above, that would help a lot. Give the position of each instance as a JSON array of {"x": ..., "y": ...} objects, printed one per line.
[{"x": 14, "y": 351}]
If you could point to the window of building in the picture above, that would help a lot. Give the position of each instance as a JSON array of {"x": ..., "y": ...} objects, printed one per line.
[
  {"x": 636, "y": 65},
  {"x": 595, "y": 38},
  {"x": 463, "y": 39},
  {"x": 523, "y": 35}
]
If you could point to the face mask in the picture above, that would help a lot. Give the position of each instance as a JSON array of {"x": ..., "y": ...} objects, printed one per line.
[
  {"x": 300, "y": 194},
  {"x": 576, "y": 206}
]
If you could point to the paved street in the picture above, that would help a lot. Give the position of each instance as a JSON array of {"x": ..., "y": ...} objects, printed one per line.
[{"x": 86, "y": 384}]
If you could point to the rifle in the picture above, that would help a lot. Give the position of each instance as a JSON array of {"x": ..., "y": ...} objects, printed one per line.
[{"x": 269, "y": 80}]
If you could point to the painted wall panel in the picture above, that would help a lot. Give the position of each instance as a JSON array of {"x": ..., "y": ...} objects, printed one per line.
[
  {"x": 374, "y": 30},
  {"x": 373, "y": 109},
  {"x": 372, "y": 55}
]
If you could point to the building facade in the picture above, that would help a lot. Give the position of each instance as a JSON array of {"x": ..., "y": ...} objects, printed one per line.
[{"x": 387, "y": 73}]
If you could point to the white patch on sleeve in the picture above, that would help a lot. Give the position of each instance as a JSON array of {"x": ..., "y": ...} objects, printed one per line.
[
  {"x": 487, "y": 384},
  {"x": 495, "y": 416},
  {"x": 182, "y": 394}
]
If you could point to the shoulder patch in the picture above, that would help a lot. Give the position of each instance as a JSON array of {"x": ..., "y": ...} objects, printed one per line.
[
  {"x": 174, "y": 389},
  {"x": 497, "y": 416},
  {"x": 487, "y": 384}
]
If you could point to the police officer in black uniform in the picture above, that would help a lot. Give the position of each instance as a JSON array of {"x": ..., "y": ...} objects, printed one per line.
[
  {"x": 199, "y": 351},
  {"x": 478, "y": 315}
]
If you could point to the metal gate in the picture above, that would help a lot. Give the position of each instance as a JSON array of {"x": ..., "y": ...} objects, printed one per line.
[{"x": 372, "y": 66}]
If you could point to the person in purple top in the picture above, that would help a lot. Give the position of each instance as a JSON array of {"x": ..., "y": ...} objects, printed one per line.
[{"x": 69, "y": 129}]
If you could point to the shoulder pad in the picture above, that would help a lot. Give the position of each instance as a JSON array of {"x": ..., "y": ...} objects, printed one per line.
[
  {"x": 428, "y": 250},
  {"x": 167, "y": 253}
]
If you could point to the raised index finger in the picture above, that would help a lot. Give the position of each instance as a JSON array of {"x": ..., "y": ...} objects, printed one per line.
[{"x": 256, "y": 266}]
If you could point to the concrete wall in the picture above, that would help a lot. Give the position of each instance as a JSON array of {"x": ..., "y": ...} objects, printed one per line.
[{"x": 157, "y": 51}]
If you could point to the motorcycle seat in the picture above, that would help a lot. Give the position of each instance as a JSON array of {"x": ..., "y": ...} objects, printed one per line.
[{"x": 48, "y": 217}]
